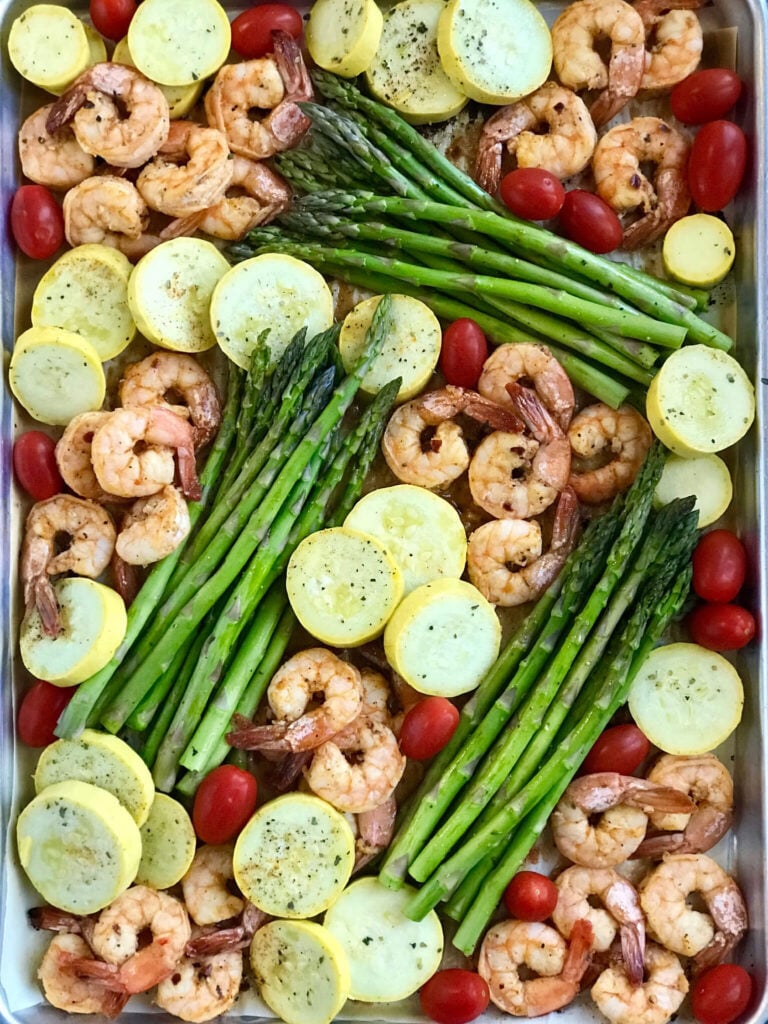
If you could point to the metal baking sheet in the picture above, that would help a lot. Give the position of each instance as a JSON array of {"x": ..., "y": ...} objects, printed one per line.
[{"x": 736, "y": 29}]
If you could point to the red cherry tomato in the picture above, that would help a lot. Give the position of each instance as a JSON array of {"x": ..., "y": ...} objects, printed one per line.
[
  {"x": 719, "y": 566},
  {"x": 427, "y": 727},
  {"x": 463, "y": 353},
  {"x": 34, "y": 463},
  {"x": 530, "y": 896},
  {"x": 722, "y": 994},
  {"x": 252, "y": 30},
  {"x": 112, "y": 17},
  {"x": 585, "y": 218},
  {"x": 716, "y": 164},
  {"x": 721, "y": 627},
  {"x": 454, "y": 996},
  {"x": 37, "y": 222},
  {"x": 705, "y": 95},
  {"x": 532, "y": 193},
  {"x": 40, "y": 709},
  {"x": 621, "y": 748},
  {"x": 225, "y": 800}
]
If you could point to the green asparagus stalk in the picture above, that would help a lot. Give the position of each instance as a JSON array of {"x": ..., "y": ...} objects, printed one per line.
[{"x": 147, "y": 709}]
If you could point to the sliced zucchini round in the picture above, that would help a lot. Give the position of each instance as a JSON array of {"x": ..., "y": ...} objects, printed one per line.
[
  {"x": 699, "y": 250},
  {"x": 86, "y": 292},
  {"x": 168, "y": 844},
  {"x": 370, "y": 923},
  {"x": 301, "y": 971},
  {"x": 294, "y": 856},
  {"x": 78, "y": 845},
  {"x": 104, "y": 761},
  {"x": 48, "y": 46},
  {"x": 343, "y": 35},
  {"x": 97, "y": 53},
  {"x": 55, "y": 374},
  {"x": 706, "y": 476},
  {"x": 179, "y": 42},
  {"x": 343, "y": 586},
  {"x": 181, "y": 98},
  {"x": 273, "y": 293}
]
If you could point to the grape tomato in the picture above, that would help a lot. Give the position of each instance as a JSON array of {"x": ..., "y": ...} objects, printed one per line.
[
  {"x": 619, "y": 748},
  {"x": 224, "y": 802},
  {"x": 532, "y": 193},
  {"x": 112, "y": 17},
  {"x": 721, "y": 627},
  {"x": 37, "y": 222},
  {"x": 716, "y": 165},
  {"x": 463, "y": 352},
  {"x": 721, "y": 994},
  {"x": 719, "y": 566},
  {"x": 41, "y": 707},
  {"x": 586, "y": 219},
  {"x": 454, "y": 996},
  {"x": 34, "y": 465},
  {"x": 252, "y": 30},
  {"x": 530, "y": 896},
  {"x": 705, "y": 95},
  {"x": 427, "y": 727}
]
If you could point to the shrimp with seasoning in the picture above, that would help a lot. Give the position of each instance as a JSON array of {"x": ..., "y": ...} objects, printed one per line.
[
  {"x": 707, "y": 937},
  {"x": 559, "y": 967},
  {"x": 202, "y": 988},
  {"x": 564, "y": 149},
  {"x": 92, "y": 541},
  {"x": 505, "y": 560},
  {"x": 578, "y": 63},
  {"x": 708, "y": 783},
  {"x": 206, "y": 895},
  {"x": 359, "y": 772},
  {"x": 116, "y": 113},
  {"x": 674, "y": 42},
  {"x": 597, "y": 432},
  {"x": 191, "y": 171},
  {"x": 133, "y": 452},
  {"x": 313, "y": 696},
  {"x": 174, "y": 374},
  {"x": 423, "y": 445},
  {"x": 55, "y": 159},
  {"x": 73, "y": 456},
  {"x": 153, "y": 527},
  {"x": 578, "y": 888},
  {"x": 623, "y": 803},
  {"x": 65, "y": 989},
  {"x": 231, "y": 936},
  {"x": 620, "y": 181},
  {"x": 107, "y": 210},
  {"x": 654, "y": 1000},
  {"x": 276, "y": 83},
  {"x": 513, "y": 476},
  {"x": 533, "y": 366}
]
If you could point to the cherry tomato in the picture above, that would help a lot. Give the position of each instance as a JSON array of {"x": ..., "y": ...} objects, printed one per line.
[
  {"x": 427, "y": 727},
  {"x": 721, "y": 627},
  {"x": 721, "y": 994},
  {"x": 252, "y": 30},
  {"x": 620, "y": 748},
  {"x": 112, "y": 17},
  {"x": 719, "y": 566},
  {"x": 454, "y": 996},
  {"x": 463, "y": 353},
  {"x": 225, "y": 800},
  {"x": 37, "y": 222},
  {"x": 705, "y": 95},
  {"x": 716, "y": 164},
  {"x": 585, "y": 218},
  {"x": 34, "y": 463},
  {"x": 532, "y": 193},
  {"x": 40, "y": 709},
  {"x": 530, "y": 896}
]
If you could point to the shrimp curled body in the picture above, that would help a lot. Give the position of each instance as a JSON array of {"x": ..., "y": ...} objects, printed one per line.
[
  {"x": 190, "y": 172},
  {"x": 359, "y": 772},
  {"x": 202, "y": 988},
  {"x": 67, "y": 990},
  {"x": 204, "y": 886},
  {"x": 53, "y": 159},
  {"x": 534, "y": 366},
  {"x": 107, "y": 210},
  {"x": 599, "y": 432},
  {"x": 674, "y": 42},
  {"x": 73, "y": 456},
  {"x": 654, "y": 1001},
  {"x": 153, "y": 527}
]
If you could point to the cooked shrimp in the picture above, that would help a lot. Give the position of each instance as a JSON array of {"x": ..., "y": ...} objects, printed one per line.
[
  {"x": 92, "y": 541},
  {"x": 73, "y": 456},
  {"x": 597, "y": 432},
  {"x": 513, "y": 476},
  {"x": 578, "y": 63},
  {"x": 166, "y": 374},
  {"x": 156, "y": 432},
  {"x": 534, "y": 366},
  {"x": 51, "y": 919},
  {"x": 707, "y": 781},
  {"x": 232, "y": 936},
  {"x": 206, "y": 895},
  {"x": 191, "y": 171},
  {"x": 201, "y": 989},
  {"x": 674, "y": 41},
  {"x": 654, "y": 1001},
  {"x": 617, "y": 165},
  {"x": 66, "y": 990},
  {"x": 362, "y": 775},
  {"x": 53, "y": 159},
  {"x": 577, "y": 889},
  {"x": 504, "y": 557},
  {"x": 422, "y": 445},
  {"x": 565, "y": 148},
  {"x": 707, "y": 937},
  {"x": 256, "y": 195},
  {"x": 623, "y": 803},
  {"x": 116, "y": 113},
  {"x": 375, "y": 829},
  {"x": 510, "y": 945},
  {"x": 107, "y": 210},
  {"x": 153, "y": 527},
  {"x": 275, "y": 83},
  {"x": 313, "y": 696}
]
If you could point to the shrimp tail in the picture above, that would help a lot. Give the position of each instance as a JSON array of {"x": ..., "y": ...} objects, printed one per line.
[
  {"x": 659, "y": 798},
  {"x": 190, "y": 485},
  {"x": 65, "y": 108},
  {"x": 532, "y": 412},
  {"x": 579, "y": 950},
  {"x": 566, "y": 524},
  {"x": 183, "y": 226},
  {"x": 222, "y": 940},
  {"x": 270, "y": 738},
  {"x": 293, "y": 70},
  {"x": 51, "y": 919},
  {"x": 288, "y": 772},
  {"x": 633, "y": 950},
  {"x": 488, "y": 166},
  {"x": 43, "y": 598},
  {"x": 126, "y": 579},
  {"x": 107, "y": 974}
]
